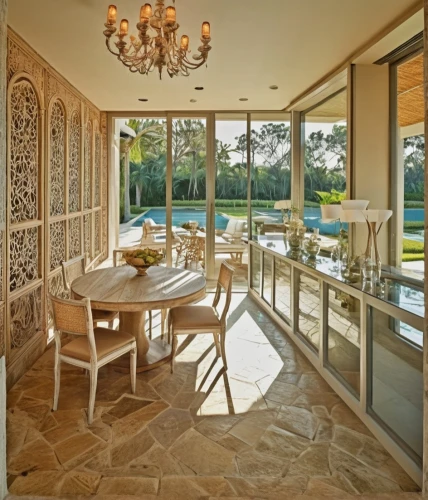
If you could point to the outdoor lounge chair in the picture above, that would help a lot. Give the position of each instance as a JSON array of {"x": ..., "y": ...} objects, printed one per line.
[{"x": 234, "y": 230}]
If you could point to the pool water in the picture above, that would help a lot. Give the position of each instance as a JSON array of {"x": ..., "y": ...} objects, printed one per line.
[{"x": 181, "y": 215}]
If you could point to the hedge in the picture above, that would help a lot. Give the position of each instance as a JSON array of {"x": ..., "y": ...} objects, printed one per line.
[
  {"x": 412, "y": 257},
  {"x": 414, "y": 196},
  {"x": 410, "y": 246},
  {"x": 414, "y": 226},
  {"x": 414, "y": 204}
]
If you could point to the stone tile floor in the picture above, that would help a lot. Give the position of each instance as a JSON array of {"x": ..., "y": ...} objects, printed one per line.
[{"x": 269, "y": 427}]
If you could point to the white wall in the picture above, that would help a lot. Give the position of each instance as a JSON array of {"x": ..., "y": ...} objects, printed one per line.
[{"x": 370, "y": 147}]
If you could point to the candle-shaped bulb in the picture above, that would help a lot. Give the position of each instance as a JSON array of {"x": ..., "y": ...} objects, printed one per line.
[
  {"x": 123, "y": 27},
  {"x": 170, "y": 15},
  {"x": 111, "y": 14},
  {"x": 146, "y": 13},
  {"x": 184, "y": 42},
  {"x": 206, "y": 30}
]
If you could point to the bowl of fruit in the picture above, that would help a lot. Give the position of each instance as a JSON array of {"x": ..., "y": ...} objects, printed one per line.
[{"x": 143, "y": 258}]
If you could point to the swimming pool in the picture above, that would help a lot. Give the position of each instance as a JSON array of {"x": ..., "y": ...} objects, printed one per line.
[{"x": 181, "y": 215}]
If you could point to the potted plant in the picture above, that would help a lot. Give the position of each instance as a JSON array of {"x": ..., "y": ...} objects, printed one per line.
[{"x": 330, "y": 204}]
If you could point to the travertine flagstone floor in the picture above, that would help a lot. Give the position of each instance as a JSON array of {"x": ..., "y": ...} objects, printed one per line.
[{"x": 269, "y": 427}]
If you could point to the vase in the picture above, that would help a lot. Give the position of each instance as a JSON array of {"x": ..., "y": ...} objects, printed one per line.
[{"x": 371, "y": 265}]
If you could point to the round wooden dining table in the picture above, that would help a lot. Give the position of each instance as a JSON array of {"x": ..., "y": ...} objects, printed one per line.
[{"x": 121, "y": 289}]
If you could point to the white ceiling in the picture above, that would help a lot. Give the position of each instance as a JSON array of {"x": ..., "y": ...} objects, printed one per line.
[{"x": 289, "y": 43}]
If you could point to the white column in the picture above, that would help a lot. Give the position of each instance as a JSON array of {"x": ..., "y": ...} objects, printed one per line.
[{"x": 370, "y": 147}]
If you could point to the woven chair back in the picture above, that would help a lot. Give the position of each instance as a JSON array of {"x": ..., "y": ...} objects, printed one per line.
[
  {"x": 72, "y": 316},
  {"x": 72, "y": 269}
]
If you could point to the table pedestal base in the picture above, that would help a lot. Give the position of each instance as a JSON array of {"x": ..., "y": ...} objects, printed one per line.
[
  {"x": 150, "y": 353},
  {"x": 158, "y": 354}
]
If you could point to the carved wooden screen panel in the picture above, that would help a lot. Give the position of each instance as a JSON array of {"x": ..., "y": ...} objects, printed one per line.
[
  {"x": 57, "y": 159},
  {"x": 104, "y": 184},
  {"x": 87, "y": 187},
  {"x": 74, "y": 163},
  {"x": 97, "y": 232},
  {"x": 58, "y": 187},
  {"x": 74, "y": 237},
  {"x": 25, "y": 297},
  {"x": 97, "y": 170},
  {"x": 57, "y": 198},
  {"x": 24, "y": 152},
  {"x": 87, "y": 235}
]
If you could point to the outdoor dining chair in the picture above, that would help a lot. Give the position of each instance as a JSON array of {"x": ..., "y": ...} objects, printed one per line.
[
  {"x": 92, "y": 349},
  {"x": 72, "y": 269},
  {"x": 196, "y": 319}
]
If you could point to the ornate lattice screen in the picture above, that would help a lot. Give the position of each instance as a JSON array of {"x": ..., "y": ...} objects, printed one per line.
[{"x": 58, "y": 198}]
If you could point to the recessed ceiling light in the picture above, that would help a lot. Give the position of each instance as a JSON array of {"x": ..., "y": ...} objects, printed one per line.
[
  {"x": 274, "y": 87},
  {"x": 143, "y": 99},
  {"x": 199, "y": 88},
  {"x": 193, "y": 100},
  {"x": 243, "y": 99}
]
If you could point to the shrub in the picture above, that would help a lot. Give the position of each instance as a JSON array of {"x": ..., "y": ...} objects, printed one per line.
[
  {"x": 414, "y": 247},
  {"x": 414, "y": 204},
  {"x": 332, "y": 198},
  {"x": 412, "y": 257},
  {"x": 414, "y": 196},
  {"x": 414, "y": 226}
]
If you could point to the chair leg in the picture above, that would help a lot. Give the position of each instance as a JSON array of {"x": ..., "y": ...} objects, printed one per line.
[
  {"x": 173, "y": 351},
  {"x": 169, "y": 329},
  {"x": 133, "y": 369},
  {"x": 150, "y": 325},
  {"x": 217, "y": 345},
  {"x": 92, "y": 393},
  {"x": 57, "y": 381},
  {"x": 163, "y": 317},
  {"x": 223, "y": 348},
  {"x": 111, "y": 324}
]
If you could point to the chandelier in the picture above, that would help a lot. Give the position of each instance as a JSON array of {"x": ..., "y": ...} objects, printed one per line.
[{"x": 156, "y": 45}]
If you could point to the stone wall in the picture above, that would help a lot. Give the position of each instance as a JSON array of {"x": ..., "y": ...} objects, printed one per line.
[{"x": 57, "y": 191}]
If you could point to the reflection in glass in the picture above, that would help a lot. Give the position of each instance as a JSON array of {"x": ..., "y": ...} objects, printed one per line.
[
  {"x": 325, "y": 159},
  {"x": 267, "y": 277},
  {"x": 270, "y": 169},
  {"x": 282, "y": 303},
  {"x": 189, "y": 185},
  {"x": 309, "y": 309},
  {"x": 396, "y": 381},
  {"x": 343, "y": 352},
  {"x": 231, "y": 192},
  {"x": 255, "y": 269}
]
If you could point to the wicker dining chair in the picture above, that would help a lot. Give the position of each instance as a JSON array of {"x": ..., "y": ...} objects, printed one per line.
[
  {"x": 74, "y": 268},
  {"x": 92, "y": 349},
  {"x": 196, "y": 319}
]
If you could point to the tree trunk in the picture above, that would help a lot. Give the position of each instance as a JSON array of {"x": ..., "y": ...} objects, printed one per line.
[
  {"x": 127, "y": 204},
  {"x": 138, "y": 195}
]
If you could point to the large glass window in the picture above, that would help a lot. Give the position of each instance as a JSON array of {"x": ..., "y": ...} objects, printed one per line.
[
  {"x": 231, "y": 194},
  {"x": 410, "y": 162},
  {"x": 142, "y": 180},
  {"x": 270, "y": 170},
  {"x": 189, "y": 140},
  {"x": 325, "y": 143}
]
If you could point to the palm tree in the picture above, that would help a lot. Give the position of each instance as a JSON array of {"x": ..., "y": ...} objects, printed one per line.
[{"x": 144, "y": 129}]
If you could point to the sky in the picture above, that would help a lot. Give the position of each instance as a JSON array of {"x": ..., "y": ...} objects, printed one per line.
[{"x": 226, "y": 131}]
